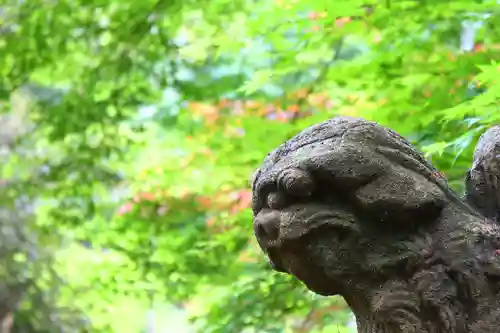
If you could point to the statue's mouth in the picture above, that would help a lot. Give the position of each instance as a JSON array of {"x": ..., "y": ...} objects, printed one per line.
[
  {"x": 290, "y": 239},
  {"x": 276, "y": 262},
  {"x": 304, "y": 270}
]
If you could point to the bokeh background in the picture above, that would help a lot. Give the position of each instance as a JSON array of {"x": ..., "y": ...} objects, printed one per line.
[{"x": 130, "y": 130}]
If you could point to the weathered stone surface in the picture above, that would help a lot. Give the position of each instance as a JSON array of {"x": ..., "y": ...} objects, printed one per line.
[
  {"x": 482, "y": 182},
  {"x": 351, "y": 208}
]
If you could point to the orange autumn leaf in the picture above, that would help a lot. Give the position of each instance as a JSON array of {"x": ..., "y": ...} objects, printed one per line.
[
  {"x": 246, "y": 198},
  {"x": 340, "y": 22},
  {"x": 205, "y": 202},
  {"x": 241, "y": 200},
  {"x": 208, "y": 111},
  {"x": 294, "y": 108},
  {"x": 147, "y": 196}
]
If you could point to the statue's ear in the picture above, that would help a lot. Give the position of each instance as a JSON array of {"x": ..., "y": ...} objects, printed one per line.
[
  {"x": 482, "y": 181},
  {"x": 401, "y": 197}
]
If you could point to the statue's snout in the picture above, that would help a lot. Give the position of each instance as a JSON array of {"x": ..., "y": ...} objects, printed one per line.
[{"x": 267, "y": 226}]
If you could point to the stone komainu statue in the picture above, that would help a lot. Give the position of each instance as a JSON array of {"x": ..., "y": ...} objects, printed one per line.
[{"x": 350, "y": 208}]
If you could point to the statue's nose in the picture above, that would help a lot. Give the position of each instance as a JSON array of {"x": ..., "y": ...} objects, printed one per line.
[{"x": 267, "y": 225}]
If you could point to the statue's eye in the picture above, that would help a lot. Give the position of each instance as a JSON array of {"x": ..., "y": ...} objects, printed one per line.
[
  {"x": 276, "y": 200},
  {"x": 296, "y": 182}
]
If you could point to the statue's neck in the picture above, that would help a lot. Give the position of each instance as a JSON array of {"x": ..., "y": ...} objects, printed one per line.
[
  {"x": 453, "y": 290},
  {"x": 431, "y": 303}
]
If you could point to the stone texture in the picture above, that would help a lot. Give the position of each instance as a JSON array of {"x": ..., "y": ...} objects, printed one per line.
[{"x": 351, "y": 208}]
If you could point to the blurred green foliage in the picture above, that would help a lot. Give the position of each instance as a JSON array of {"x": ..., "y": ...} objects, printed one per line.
[{"x": 131, "y": 130}]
